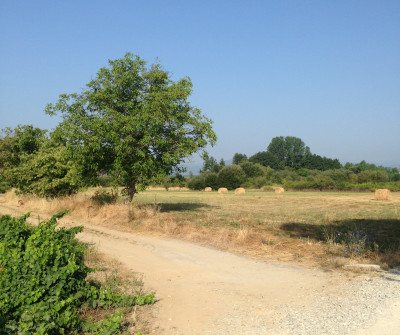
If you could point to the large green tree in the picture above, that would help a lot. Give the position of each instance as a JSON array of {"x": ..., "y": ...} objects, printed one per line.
[
  {"x": 289, "y": 150},
  {"x": 266, "y": 158},
  {"x": 24, "y": 139},
  {"x": 15, "y": 144},
  {"x": 131, "y": 122}
]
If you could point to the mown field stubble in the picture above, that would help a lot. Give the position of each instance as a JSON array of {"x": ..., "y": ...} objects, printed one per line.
[{"x": 315, "y": 228}]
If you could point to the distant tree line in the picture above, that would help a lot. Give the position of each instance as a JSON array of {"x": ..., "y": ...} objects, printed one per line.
[
  {"x": 289, "y": 152},
  {"x": 288, "y": 162},
  {"x": 35, "y": 161}
]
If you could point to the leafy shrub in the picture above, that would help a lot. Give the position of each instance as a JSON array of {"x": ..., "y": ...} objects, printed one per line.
[
  {"x": 257, "y": 182},
  {"x": 251, "y": 169},
  {"x": 4, "y": 185},
  {"x": 100, "y": 198},
  {"x": 46, "y": 173},
  {"x": 174, "y": 181},
  {"x": 42, "y": 280},
  {"x": 197, "y": 183},
  {"x": 211, "y": 180},
  {"x": 231, "y": 177},
  {"x": 105, "y": 181},
  {"x": 357, "y": 241}
]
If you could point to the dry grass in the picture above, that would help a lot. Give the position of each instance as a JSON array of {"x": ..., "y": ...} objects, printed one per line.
[
  {"x": 111, "y": 273},
  {"x": 294, "y": 226}
]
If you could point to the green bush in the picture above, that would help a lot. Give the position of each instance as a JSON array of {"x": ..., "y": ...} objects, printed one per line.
[
  {"x": 106, "y": 181},
  {"x": 252, "y": 170},
  {"x": 42, "y": 280},
  {"x": 100, "y": 198},
  {"x": 46, "y": 173},
  {"x": 197, "y": 183},
  {"x": 211, "y": 180},
  {"x": 4, "y": 185},
  {"x": 231, "y": 177},
  {"x": 174, "y": 181}
]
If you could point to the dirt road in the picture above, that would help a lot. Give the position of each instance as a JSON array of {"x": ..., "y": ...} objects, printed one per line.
[{"x": 206, "y": 291}]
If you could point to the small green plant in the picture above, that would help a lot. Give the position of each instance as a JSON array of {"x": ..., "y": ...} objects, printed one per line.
[
  {"x": 357, "y": 241},
  {"x": 100, "y": 198},
  {"x": 268, "y": 242},
  {"x": 234, "y": 224}
]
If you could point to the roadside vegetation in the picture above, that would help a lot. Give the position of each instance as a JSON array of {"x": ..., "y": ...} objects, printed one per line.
[
  {"x": 46, "y": 287},
  {"x": 327, "y": 229}
]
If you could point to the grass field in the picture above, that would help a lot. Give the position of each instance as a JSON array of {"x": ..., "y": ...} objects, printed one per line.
[{"x": 317, "y": 228}]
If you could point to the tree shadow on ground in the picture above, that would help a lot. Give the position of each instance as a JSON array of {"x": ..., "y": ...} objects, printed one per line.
[
  {"x": 384, "y": 233},
  {"x": 182, "y": 207}
]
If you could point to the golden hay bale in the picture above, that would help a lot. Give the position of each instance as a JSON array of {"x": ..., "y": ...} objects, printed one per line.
[
  {"x": 240, "y": 190},
  {"x": 155, "y": 188},
  {"x": 177, "y": 188},
  {"x": 174, "y": 188},
  {"x": 208, "y": 189},
  {"x": 279, "y": 190},
  {"x": 383, "y": 194},
  {"x": 222, "y": 190}
]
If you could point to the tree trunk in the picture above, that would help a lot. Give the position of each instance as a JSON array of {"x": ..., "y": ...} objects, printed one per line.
[{"x": 131, "y": 191}]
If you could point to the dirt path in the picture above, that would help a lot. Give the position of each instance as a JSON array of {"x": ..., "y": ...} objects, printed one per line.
[{"x": 206, "y": 291}]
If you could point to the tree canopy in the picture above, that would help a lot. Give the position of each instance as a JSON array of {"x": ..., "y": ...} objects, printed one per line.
[
  {"x": 132, "y": 123},
  {"x": 289, "y": 150}
]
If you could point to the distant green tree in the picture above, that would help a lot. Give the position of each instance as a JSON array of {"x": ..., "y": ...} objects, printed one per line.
[
  {"x": 209, "y": 162},
  {"x": 197, "y": 182},
  {"x": 217, "y": 167},
  {"x": 360, "y": 167},
  {"x": 231, "y": 176},
  {"x": 289, "y": 150},
  {"x": 265, "y": 158},
  {"x": 394, "y": 174},
  {"x": 316, "y": 162},
  {"x": 252, "y": 170},
  {"x": 132, "y": 123},
  {"x": 211, "y": 180},
  {"x": 238, "y": 158}
]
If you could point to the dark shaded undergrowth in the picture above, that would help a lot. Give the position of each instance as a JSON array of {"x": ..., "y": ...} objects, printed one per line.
[{"x": 377, "y": 240}]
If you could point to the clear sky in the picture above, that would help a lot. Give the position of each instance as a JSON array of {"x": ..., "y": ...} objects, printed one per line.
[{"x": 325, "y": 71}]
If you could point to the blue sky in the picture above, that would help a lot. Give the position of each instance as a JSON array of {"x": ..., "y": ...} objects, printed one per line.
[{"x": 325, "y": 71}]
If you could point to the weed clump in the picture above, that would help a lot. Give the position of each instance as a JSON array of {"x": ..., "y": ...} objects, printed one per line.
[
  {"x": 356, "y": 242},
  {"x": 101, "y": 198}
]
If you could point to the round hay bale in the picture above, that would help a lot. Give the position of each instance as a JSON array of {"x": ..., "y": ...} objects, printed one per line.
[
  {"x": 208, "y": 189},
  {"x": 279, "y": 190},
  {"x": 177, "y": 188},
  {"x": 240, "y": 190},
  {"x": 222, "y": 190},
  {"x": 174, "y": 188},
  {"x": 383, "y": 194}
]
